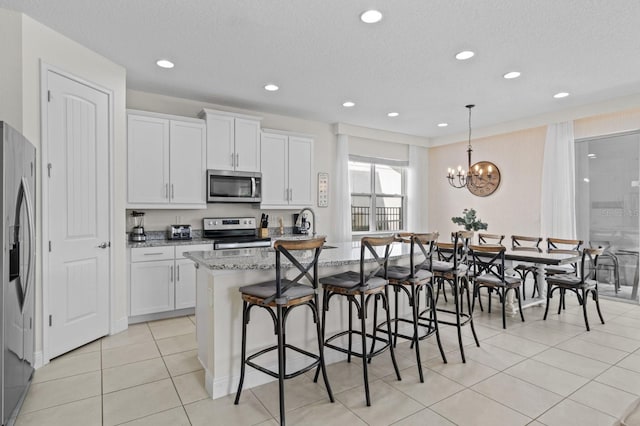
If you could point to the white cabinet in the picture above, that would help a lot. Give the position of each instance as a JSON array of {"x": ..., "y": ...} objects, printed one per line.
[
  {"x": 162, "y": 279},
  {"x": 166, "y": 161},
  {"x": 233, "y": 141},
  {"x": 287, "y": 170}
]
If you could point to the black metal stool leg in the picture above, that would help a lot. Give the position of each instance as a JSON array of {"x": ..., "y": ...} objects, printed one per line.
[
  {"x": 349, "y": 335},
  {"x": 375, "y": 321},
  {"x": 281, "y": 362},
  {"x": 413, "y": 301},
  {"x": 596, "y": 298},
  {"x": 243, "y": 355},
  {"x": 546, "y": 309},
  {"x": 393, "y": 355},
  {"x": 584, "y": 308},
  {"x": 365, "y": 360},
  {"x": 456, "y": 299},
  {"x": 473, "y": 328},
  {"x": 319, "y": 331},
  {"x": 433, "y": 315}
]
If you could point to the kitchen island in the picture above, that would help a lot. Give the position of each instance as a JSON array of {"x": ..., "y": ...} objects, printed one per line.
[{"x": 219, "y": 310}]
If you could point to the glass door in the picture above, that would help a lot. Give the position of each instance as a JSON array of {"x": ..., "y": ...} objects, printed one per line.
[{"x": 607, "y": 205}]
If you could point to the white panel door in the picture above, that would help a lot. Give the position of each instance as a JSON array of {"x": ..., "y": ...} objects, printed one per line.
[
  {"x": 220, "y": 142},
  {"x": 152, "y": 287},
  {"x": 300, "y": 170},
  {"x": 247, "y": 145},
  {"x": 275, "y": 186},
  {"x": 188, "y": 163},
  {"x": 78, "y": 214},
  {"x": 147, "y": 159}
]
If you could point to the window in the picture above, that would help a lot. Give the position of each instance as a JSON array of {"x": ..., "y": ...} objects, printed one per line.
[
  {"x": 377, "y": 195},
  {"x": 607, "y": 208}
]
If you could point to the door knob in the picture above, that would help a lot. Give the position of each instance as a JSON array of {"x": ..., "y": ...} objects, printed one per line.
[{"x": 104, "y": 245}]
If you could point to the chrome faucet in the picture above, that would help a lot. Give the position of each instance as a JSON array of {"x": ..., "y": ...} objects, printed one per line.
[{"x": 313, "y": 219}]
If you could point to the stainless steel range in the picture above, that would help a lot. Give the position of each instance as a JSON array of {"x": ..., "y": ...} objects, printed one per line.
[{"x": 233, "y": 232}]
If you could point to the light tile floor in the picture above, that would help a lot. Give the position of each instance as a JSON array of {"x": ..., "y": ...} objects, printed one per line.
[{"x": 539, "y": 372}]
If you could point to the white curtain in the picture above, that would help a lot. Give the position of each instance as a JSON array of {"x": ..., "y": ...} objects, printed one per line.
[
  {"x": 342, "y": 193},
  {"x": 416, "y": 190},
  {"x": 558, "y": 211}
]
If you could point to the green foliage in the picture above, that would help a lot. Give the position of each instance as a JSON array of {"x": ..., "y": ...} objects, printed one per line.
[{"x": 469, "y": 221}]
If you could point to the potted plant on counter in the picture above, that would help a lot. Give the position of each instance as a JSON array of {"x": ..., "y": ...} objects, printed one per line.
[{"x": 469, "y": 221}]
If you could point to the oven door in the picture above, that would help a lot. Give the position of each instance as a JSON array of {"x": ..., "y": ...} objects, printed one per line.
[{"x": 233, "y": 187}]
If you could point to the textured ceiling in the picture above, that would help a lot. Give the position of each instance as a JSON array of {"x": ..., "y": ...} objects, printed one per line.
[{"x": 320, "y": 54}]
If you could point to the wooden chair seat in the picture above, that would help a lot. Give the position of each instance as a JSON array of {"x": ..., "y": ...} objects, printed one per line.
[{"x": 350, "y": 281}]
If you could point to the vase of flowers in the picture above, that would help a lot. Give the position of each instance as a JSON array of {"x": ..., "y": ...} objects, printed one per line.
[{"x": 469, "y": 221}]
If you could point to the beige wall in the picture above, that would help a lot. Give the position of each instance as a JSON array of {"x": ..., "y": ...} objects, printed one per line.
[
  {"x": 11, "y": 68},
  {"x": 515, "y": 207},
  {"x": 40, "y": 44}
]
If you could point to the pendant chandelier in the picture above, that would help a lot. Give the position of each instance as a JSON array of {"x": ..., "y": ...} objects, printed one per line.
[{"x": 481, "y": 178}]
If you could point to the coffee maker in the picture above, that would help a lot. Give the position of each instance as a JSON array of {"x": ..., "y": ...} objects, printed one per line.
[{"x": 137, "y": 233}]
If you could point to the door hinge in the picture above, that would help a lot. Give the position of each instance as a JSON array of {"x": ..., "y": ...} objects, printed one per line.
[
  {"x": 49, "y": 246},
  {"x": 50, "y": 320},
  {"x": 48, "y": 95},
  {"x": 49, "y": 166}
]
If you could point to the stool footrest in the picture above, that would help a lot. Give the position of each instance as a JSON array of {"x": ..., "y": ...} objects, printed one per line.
[
  {"x": 465, "y": 318},
  {"x": 352, "y": 352},
  {"x": 431, "y": 329},
  {"x": 272, "y": 373}
]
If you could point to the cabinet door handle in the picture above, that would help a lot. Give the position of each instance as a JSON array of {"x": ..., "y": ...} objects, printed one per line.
[
  {"x": 290, "y": 194},
  {"x": 178, "y": 272},
  {"x": 166, "y": 190},
  {"x": 172, "y": 193},
  {"x": 237, "y": 160},
  {"x": 153, "y": 254},
  {"x": 232, "y": 160},
  {"x": 171, "y": 274}
]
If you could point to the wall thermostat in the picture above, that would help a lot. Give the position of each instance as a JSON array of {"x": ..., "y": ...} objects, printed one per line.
[{"x": 323, "y": 189}]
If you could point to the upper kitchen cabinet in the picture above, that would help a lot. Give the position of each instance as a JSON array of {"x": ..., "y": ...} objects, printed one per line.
[
  {"x": 166, "y": 161},
  {"x": 287, "y": 170},
  {"x": 233, "y": 141}
]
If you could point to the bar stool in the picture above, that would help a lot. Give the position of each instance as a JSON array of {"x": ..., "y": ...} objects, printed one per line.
[
  {"x": 583, "y": 285},
  {"x": 411, "y": 280},
  {"x": 451, "y": 267},
  {"x": 358, "y": 288},
  {"x": 284, "y": 295},
  {"x": 531, "y": 244},
  {"x": 489, "y": 273}
]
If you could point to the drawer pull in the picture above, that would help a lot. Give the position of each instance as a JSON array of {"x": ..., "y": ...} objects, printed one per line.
[{"x": 153, "y": 254}]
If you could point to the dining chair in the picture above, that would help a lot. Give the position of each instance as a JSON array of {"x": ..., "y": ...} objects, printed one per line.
[
  {"x": 411, "y": 281},
  {"x": 563, "y": 246},
  {"x": 608, "y": 261},
  {"x": 487, "y": 261},
  {"x": 524, "y": 244},
  {"x": 490, "y": 238},
  {"x": 583, "y": 285},
  {"x": 279, "y": 297},
  {"x": 358, "y": 288}
]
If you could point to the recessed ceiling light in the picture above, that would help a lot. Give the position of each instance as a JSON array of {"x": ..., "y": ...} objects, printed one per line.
[
  {"x": 586, "y": 180},
  {"x": 164, "y": 63},
  {"x": 465, "y": 54},
  {"x": 443, "y": 124},
  {"x": 271, "y": 87},
  {"x": 592, "y": 156},
  {"x": 393, "y": 114},
  {"x": 348, "y": 104},
  {"x": 371, "y": 16},
  {"x": 512, "y": 74},
  {"x": 561, "y": 95}
]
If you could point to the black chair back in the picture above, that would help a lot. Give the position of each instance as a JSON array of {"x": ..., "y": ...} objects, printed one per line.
[
  {"x": 522, "y": 243},
  {"x": 286, "y": 248},
  {"x": 488, "y": 259}
]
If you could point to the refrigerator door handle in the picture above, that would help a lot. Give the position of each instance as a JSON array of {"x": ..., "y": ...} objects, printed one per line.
[{"x": 24, "y": 196}]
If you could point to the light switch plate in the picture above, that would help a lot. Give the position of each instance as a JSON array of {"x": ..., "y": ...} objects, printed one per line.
[{"x": 323, "y": 189}]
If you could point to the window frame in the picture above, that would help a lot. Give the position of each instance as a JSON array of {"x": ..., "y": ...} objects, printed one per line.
[{"x": 373, "y": 196}]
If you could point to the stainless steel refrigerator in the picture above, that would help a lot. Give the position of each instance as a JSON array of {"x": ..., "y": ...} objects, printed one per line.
[{"x": 17, "y": 298}]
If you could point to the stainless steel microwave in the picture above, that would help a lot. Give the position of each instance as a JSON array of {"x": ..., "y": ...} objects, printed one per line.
[{"x": 225, "y": 186}]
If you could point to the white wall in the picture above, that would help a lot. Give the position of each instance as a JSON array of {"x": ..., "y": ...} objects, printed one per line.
[
  {"x": 41, "y": 44},
  {"x": 11, "y": 68}
]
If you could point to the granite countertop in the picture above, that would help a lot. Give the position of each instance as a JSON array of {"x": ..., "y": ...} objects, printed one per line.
[
  {"x": 334, "y": 254},
  {"x": 159, "y": 239}
]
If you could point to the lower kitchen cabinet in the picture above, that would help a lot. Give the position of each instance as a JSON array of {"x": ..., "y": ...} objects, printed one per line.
[{"x": 161, "y": 279}]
